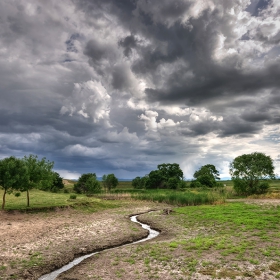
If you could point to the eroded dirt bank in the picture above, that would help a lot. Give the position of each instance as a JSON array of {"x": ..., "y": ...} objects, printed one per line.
[{"x": 37, "y": 243}]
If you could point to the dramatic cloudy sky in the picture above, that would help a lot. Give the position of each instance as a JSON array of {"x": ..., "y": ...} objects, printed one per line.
[{"x": 120, "y": 86}]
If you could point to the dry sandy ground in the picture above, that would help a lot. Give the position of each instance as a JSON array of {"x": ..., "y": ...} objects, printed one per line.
[{"x": 33, "y": 244}]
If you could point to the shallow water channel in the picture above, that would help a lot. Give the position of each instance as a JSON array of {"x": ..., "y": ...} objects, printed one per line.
[{"x": 152, "y": 234}]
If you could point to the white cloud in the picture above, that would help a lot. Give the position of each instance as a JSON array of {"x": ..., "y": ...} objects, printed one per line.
[
  {"x": 83, "y": 151},
  {"x": 122, "y": 137},
  {"x": 89, "y": 99},
  {"x": 67, "y": 174}
]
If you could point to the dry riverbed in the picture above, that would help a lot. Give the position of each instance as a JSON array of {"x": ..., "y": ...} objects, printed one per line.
[{"x": 33, "y": 244}]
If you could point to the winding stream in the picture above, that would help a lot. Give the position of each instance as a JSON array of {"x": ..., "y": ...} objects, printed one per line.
[{"x": 152, "y": 234}]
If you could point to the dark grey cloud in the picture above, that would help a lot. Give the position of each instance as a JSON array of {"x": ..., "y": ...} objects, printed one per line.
[
  {"x": 238, "y": 127},
  {"x": 121, "y": 86},
  {"x": 128, "y": 43}
]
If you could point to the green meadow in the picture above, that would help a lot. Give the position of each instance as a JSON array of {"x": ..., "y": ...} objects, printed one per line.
[
  {"x": 125, "y": 191},
  {"x": 205, "y": 234}
]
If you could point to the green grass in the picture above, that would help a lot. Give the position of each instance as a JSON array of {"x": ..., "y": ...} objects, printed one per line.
[
  {"x": 216, "y": 240},
  {"x": 180, "y": 198},
  {"x": 41, "y": 200}
]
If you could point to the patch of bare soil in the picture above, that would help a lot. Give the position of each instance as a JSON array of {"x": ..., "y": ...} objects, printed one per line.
[
  {"x": 272, "y": 202},
  {"x": 33, "y": 244}
]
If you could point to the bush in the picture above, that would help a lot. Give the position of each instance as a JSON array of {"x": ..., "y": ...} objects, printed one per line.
[
  {"x": 173, "y": 183},
  {"x": 73, "y": 196},
  {"x": 182, "y": 185},
  {"x": 242, "y": 188},
  {"x": 263, "y": 187},
  {"x": 195, "y": 184}
]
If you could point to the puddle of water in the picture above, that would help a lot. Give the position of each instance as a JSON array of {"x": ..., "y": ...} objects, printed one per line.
[{"x": 152, "y": 234}]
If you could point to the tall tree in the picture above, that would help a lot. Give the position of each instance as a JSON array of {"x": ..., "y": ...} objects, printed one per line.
[
  {"x": 249, "y": 171},
  {"x": 140, "y": 183},
  {"x": 39, "y": 174},
  {"x": 155, "y": 180},
  {"x": 207, "y": 175},
  {"x": 109, "y": 181},
  {"x": 87, "y": 184},
  {"x": 13, "y": 175},
  {"x": 168, "y": 175},
  {"x": 169, "y": 170}
]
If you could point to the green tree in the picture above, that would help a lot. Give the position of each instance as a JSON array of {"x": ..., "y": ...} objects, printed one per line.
[
  {"x": 40, "y": 174},
  {"x": 93, "y": 186},
  {"x": 109, "y": 181},
  {"x": 168, "y": 175},
  {"x": 207, "y": 175},
  {"x": 13, "y": 175},
  {"x": 140, "y": 183},
  {"x": 57, "y": 183},
  {"x": 172, "y": 183},
  {"x": 249, "y": 173},
  {"x": 170, "y": 170},
  {"x": 87, "y": 184},
  {"x": 155, "y": 180}
]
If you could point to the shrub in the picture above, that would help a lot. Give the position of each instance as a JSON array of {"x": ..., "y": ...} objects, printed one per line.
[
  {"x": 195, "y": 184},
  {"x": 263, "y": 187},
  {"x": 73, "y": 196}
]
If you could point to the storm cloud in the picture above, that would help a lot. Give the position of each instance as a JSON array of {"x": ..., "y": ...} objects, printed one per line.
[{"x": 122, "y": 86}]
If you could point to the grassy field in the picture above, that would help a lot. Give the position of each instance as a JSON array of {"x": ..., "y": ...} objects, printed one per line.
[
  {"x": 221, "y": 242},
  {"x": 217, "y": 240},
  {"x": 41, "y": 199}
]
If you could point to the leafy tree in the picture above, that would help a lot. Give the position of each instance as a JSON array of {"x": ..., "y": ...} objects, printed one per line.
[
  {"x": 195, "y": 184},
  {"x": 13, "y": 175},
  {"x": 207, "y": 175},
  {"x": 173, "y": 183},
  {"x": 40, "y": 174},
  {"x": 92, "y": 186},
  {"x": 170, "y": 170},
  {"x": 168, "y": 175},
  {"x": 110, "y": 181},
  {"x": 155, "y": 180},
  {"x": 248, "y": 172},
  {"x": 87, "y": 184},
  {"x": 140, "y": 183},
  {"x": 57, "y": 183}
]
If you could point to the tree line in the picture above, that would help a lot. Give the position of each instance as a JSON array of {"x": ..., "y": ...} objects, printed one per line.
[{"x": 249, "y": 173}]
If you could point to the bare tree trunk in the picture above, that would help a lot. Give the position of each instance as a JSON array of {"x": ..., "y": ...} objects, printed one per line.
[
  {"x": 4, "y": 200},
  {"x": 27, "y": 193}
]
